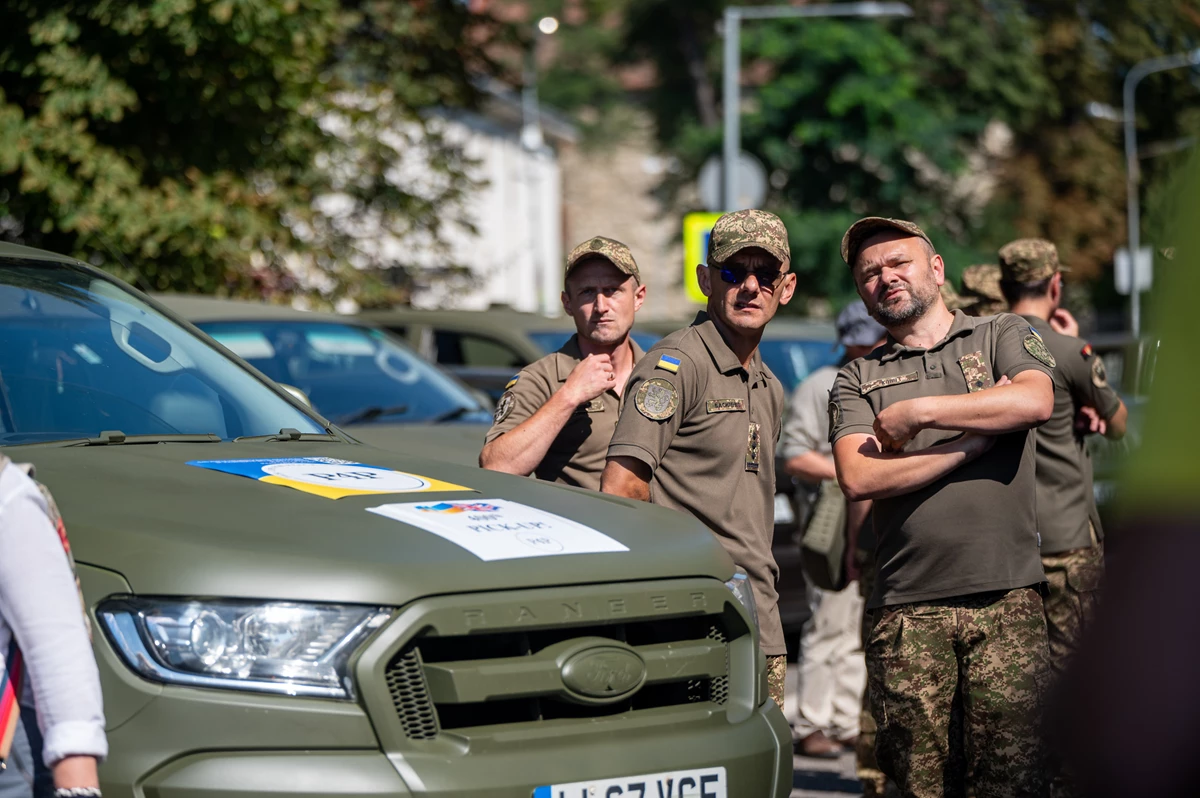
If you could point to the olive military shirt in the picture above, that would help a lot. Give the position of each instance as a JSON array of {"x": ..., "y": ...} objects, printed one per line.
[
  {"x": 707, "y": 429},
  {"x": 1065, "y": 499},
  {"x": 975, "y": 529},
  {"x": 578, "y": 454}
]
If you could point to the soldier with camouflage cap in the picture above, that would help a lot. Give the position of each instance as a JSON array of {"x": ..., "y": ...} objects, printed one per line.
[
  {"x": 698, "y": 430},
  {"x": 981, "y": 294},
  {"x": 936, "y": 427},
  {"x": 1072, "y": 539},
  {"x": 556, "y": 417}
]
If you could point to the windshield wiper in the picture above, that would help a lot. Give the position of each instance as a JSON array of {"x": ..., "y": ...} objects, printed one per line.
[
  {"x": 114, "y": 437},
  {"x": 456, "y": 413},
  {"x": 288, "y": 434},
  {"x": 370, "y": 414}
]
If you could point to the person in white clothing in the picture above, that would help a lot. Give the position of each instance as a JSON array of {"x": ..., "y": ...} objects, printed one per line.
[
  {"x": 832, "y": 672},
  {"x": 46, "y": 657}
]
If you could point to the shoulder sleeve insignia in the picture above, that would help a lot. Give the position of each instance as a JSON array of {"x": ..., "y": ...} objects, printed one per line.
[
  {"x": 1035, "y": 346},
  {"x": 512, "y": 382},
  {"x": 668, "y": 363},
  {"x": 1086, "y": 351},
  {"x": 1033, "y": 331},
  {"x": 657, "y": 399},
  {"x": 1099, "y": 374},
  {"x": 504, "y": 407},
  {"x": 835, "y": 415}
]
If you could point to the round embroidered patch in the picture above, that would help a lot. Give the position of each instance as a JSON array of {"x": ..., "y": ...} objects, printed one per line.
[
  {"x": 596, "y": 245},
  {"x": 1036, "y": 347},
  {"x": 835, "y": 415},
  {"x": 749, "y": 225},
  {"x": 504, "y": 407},
  {"x": 1099, "y": 374},
  {"x": 656, "y": 399}
]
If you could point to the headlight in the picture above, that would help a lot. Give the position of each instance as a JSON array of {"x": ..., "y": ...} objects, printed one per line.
[
  {"x": 271, "y": 647},
  {"x": 740, "y": 587}
]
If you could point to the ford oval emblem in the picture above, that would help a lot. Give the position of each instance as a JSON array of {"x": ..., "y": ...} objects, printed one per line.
[{"x": 603, "y": 673}]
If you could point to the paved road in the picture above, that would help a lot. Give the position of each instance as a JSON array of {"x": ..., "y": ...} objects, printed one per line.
[{"x": 825, "y": 778}]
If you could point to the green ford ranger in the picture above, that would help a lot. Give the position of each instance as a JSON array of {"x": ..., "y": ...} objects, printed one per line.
[{"x": 277, "y": 609}]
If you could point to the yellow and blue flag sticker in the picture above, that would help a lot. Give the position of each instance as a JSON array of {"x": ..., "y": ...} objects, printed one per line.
[
  {"x": 512, "y": 382},
  {"x": 668, "y": 363},
  {"x": 328, "y": 476}
]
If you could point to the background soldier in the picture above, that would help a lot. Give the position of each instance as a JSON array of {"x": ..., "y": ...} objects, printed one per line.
[
  {"x": 699, "y": 431},
  {"x": 1069, "y": 525},
  {"x": 934, "y": 427},
  {"x": 981, "y": 294},
  {"x": 557, "y": 416},
  {"x": 832, "y": 671}
]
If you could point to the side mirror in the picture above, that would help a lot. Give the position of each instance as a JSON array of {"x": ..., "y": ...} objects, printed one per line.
[{"x": 300, "y": 395}]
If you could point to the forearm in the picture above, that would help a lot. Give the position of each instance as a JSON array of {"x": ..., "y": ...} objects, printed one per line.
[
  {"x": 1118, "y": 423},
  {"x": 811, "y": 467},
  {"x": 626, "y": 476},
  {"x": 1004, "y": 408},
  {"x": 76, "y": 771},
  {"x": 520, "y": 450},
  {"x": 865, "y": 472},
  {"x": 856, "y": 516}
]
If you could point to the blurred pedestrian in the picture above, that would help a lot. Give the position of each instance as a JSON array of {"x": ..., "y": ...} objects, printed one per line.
[
  {"x": 981, "y": 294},
  {"x": 935, "y": 427},
  {"x": 704, "y": 413},
  {"x": 51, "y": 717},
  {"x": 557, "y": 415},
  {"x": 1068, "y": 522},
  {"x": 832, "y": 670}
]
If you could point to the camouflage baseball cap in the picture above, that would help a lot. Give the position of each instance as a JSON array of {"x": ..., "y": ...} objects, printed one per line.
[
  {"x": 981, "y": 294},
  {"x": 610, "y": 249},
  {"x": 864, "y": 228},
  {"x": 1029, "y": 260},
  {"x": 953, "y": 300},
  {"x": 749, "y": 228}
]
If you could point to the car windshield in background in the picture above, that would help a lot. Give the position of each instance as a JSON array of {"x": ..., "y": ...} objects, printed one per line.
[
  {"x": 82, "y": 355},
  {"x": 351, "y": 374},
  {"x": 552, "y": 340},
  {"x": 792, "y": 360}
]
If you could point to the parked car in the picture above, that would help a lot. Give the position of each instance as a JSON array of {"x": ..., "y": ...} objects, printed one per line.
[
  {"x": 280, "y": 610},
  {"x": 362, "y": 378},
  {"x": 483, "y": 348}
]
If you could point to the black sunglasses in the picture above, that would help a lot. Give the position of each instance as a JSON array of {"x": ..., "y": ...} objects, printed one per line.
[{"x": 767, "y": 278}]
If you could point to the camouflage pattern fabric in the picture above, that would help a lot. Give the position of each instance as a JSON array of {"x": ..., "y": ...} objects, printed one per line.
[
  {"x": 1074, "y": 578},
  {"x": 976, "y": 371},
  {"x": 868, "y": 226},
  {"x": 610, "y": 249},
  {"x": 776, "y": 676},
  {"x": 1028, "y": 260},
  {"x": 956, "y": 691},
  {"x": 953, "y": 300},
  {"x": 981, "y": 290},
  {"x": 750, "y": 228},
  {"x": 866, "y": 766}
]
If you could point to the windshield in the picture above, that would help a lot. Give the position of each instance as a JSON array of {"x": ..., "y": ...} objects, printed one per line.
[
  {"x": 552, "y": 340},
  {"x": 793, "y": 360},
  {"x": 351, "y": 374},
  {"x": 83, "y": 355}
]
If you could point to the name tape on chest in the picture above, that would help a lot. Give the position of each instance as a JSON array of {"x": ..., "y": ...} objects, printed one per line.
[
  {"x": 976, "y": 371},
  {"x": 595, "y": 406},
  {"x": 725, "y": 405},
  {"x": 656, "y": 399},
  {"x": 668, "y": 363},
  {"x": 885, "y": 382}
]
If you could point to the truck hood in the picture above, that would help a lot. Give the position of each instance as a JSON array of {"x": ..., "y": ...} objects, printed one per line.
[
  {"x": 454, "y": 442},
  {"x": 175, "y": 529}
]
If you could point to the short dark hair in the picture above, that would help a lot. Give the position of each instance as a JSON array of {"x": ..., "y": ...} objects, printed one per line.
[{"x": 1016, "y": 292}]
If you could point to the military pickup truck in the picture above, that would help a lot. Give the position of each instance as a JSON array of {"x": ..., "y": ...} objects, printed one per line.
[{"x": 278, "y": 610}]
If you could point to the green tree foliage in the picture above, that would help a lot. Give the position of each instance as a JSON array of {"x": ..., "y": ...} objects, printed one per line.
[{"x": 189, "y": 138}]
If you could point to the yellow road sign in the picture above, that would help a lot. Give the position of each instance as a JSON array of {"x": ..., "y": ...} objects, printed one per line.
[{"x": 696, "y": 229}]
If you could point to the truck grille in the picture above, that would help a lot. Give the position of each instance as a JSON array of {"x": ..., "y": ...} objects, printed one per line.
[{"x": 449, "y": 682}]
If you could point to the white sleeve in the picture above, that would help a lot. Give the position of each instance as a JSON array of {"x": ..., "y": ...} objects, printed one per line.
[{"x": 39, "y": 602}]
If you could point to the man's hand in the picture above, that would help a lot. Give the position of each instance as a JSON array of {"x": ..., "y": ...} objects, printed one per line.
[
  {"x": 1062, "y": 322},
  {"x": 897, "y": 424},
  {"x": 1088, "y": 421},
  {"x": 593, "y": 376}
]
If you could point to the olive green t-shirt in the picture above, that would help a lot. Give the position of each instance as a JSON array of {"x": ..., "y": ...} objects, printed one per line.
[
  {"x": 707, "y": 428},
  {"x": 975, "y": 529},
  {"x": 578, "y": 453},
  {"x": 1065, "y": 499}
]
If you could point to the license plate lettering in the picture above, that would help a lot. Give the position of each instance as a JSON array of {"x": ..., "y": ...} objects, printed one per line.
[{"x": 697, "y": 783}]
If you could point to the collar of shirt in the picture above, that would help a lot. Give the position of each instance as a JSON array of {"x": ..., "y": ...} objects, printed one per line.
[
  {"x": 569, "y": 356},
  {"x": 962, "y": 325},
  {"x": 724, "y": 358}
]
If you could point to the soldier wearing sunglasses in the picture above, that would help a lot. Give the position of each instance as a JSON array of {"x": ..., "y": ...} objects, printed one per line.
[{"x": 702, "y": 412}]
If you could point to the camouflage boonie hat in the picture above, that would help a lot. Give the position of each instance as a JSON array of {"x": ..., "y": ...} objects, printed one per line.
[
  {"x": 1029, "y": 260},
  {"x": 749, "y": 228},
  {"x": 952, "y": 298},
  {"x": 866, "y": 227},
  {"x": 610, "y": 249},
  {"x": 981, "y": 294}
]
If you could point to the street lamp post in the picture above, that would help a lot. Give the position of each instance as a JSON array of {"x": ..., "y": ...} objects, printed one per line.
[
  {"x": 732, "y": 67},
  {"x": 1132, "y": 173},
  {"x": 534, "y": 143}
]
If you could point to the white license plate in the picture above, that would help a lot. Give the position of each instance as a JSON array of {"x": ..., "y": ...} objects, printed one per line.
[
  {"x": 783, "y": 510},
  {"x": 701, "y": 783}
]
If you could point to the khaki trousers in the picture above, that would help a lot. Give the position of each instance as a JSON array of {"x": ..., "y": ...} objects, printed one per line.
[{"x": 832, "y": 673}]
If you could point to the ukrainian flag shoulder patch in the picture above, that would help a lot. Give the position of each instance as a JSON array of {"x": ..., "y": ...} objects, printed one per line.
[
  {"x": 668, "y": 363},
  {"x": 512, "y": 382}
]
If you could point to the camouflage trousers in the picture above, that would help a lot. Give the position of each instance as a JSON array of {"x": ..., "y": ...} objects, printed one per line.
[
  {"x": 776, "y": 676},
  {"x": 956, "y": 691},
  {"x": 866, "y": 766},
  {"x": 1074, "y": 578}
]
